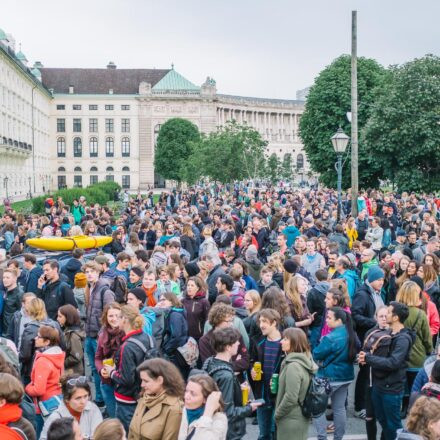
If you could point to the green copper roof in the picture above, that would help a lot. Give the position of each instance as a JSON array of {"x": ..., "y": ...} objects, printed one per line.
[
  {"x": 21, "y": 56},
  {"x": 3, "y": 35},
  {"x": 36, "y": 73},
  {"x": 174, "y": 81}
]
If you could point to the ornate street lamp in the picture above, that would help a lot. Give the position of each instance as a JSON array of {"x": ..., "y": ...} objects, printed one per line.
[{"x": 340, "y": 142}]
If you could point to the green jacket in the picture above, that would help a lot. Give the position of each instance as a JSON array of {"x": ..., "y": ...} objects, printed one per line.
[
  {"x": 418, "y": 322},
  {"x": 295, "y": 376},
  {"x": 366, "y": 266}
]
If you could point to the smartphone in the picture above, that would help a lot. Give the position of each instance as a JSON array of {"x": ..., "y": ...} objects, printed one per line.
[{"x": 262, "y": 401}]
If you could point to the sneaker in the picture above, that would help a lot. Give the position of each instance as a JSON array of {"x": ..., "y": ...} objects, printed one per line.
[{"x": 362, "y": 414}]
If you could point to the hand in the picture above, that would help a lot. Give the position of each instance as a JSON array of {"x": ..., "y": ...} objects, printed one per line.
[
  {"x": 109, "y": 369},
  {"x": 312, "y": 317},
  {"x": 41, "y": 281},
  {"x": 104, "y": 373},
  {"x": 212, "y": 403},
  {"x": 361, "y": 357},
  {"x": 255, "y": 405},
  {"x": 253, "y": 374}
]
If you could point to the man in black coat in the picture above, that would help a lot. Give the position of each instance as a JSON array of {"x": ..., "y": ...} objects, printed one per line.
[{"x": 34, "y": 271}]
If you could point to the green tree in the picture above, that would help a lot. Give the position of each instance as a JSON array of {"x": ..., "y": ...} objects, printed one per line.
[
  {"x": 174, "y": 147},
  {"x": 328, "y": 102},
  {"x": 273, "y": 168},
  {"x": 286, "y": 169},
  {"x": 403, "y": 131}
]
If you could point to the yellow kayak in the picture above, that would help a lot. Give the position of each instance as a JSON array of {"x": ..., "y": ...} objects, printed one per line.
[{"x": 68, "y": 243}]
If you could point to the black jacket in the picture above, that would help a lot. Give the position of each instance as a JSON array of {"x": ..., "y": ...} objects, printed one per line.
[
  {"x": 32, "y": 279},
  {"x": 223, "y": 374},
  {"x": 316, "y": 302},
  {"x": 363, "y": 310},
  {"x": 72, "y": 267},
  {"x": 389, "y": 373},
  {"x": 11, "y": 303},
  {"x": 55, "y": 295},
  {"x": 189, "y": 244},
  {"x": 212, "y": 280}
]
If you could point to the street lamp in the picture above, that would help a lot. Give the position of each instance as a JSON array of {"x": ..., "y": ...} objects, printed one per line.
[
  {"x": 340, "y": 142},
  {"x": 30, "y": 187},
  {"x": 5, "y": 185}
]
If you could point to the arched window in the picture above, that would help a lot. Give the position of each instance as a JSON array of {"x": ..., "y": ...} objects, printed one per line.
[
  {"x": 125, "y": 144},
  {"x": 77, "y": 170},
  {"x": 93, "y": 146},
  {"x": 77, "y": 147},
  {"x": 93, "y": 169},
  {"x": 61, "y": 147},
  {"x": 61, "y": 170},
  {"x": 125, "y": 169},
  {"x": 109, "y": 169},
  {"x": 299, "y": 161},
  {"x": 109, "y": 147}
]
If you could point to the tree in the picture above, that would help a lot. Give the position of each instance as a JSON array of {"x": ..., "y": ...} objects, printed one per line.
[
  {"x": 174, "y": 147},
  {"x": 273, "y": 168},
  {"x": 403, "y": 131},
  {"x": 328, "y": 102},
  {"x": 286, "y": 169}
]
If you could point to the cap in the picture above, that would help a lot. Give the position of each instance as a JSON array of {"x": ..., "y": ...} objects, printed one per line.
[
  {"x": 80, "y": 280},
  {"x": 139, "y": 293}
]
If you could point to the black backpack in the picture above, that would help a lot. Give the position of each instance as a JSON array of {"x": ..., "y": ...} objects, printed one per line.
[
  {"x": 315, "y": 402},
  {"x": 378, "y": 342},
  {"x": 149, "y": 353},
  {"x": 120, "y": 289}
]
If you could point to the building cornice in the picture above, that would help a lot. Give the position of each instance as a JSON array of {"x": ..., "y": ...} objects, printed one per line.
[{"x": 260, "y": 102}]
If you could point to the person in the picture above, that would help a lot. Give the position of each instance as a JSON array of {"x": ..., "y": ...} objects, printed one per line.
[
  {"x": 150, "y": 287},
  {"x": 11, "y": 298},
  {"x": 76, "y": 404},
  {"x": 65, "y": 428},
  {"x": 296, "y": 290},
  {"x": 252, "y": 303},
  {"x": 196, "y": 306},
  {"x": 11, "y": 415},
  {"x": 219, "y": 367},
  {"x": 375, "y": 234},
  {"x": 73, "y": 265},
  {"x": 47, "y": 369},
  {"x": 159, "y": 410},
  {"x": 432, "y": 387},
  {"x": 34, "y": 271},
  {"x": 423, "y": 375},
  {"x": 109, "y": 340},
  {"x": 336, "y": 353},
  {"x": 389, "y": 372},
  {"x": 79, "y": 292},
  {"x": 311, "y": 261},
  {"x": 54, "y": 292},
  {"x": 203, "y": 416},
  {"x": 130, "y": 354},
  {"x": 423, "y": 421},
  {"x": 346, "y": 271},
  {"x": 69, "y": 320},
  {"x": 296, "y": 372},
  {"x": 110, "y": 429}
]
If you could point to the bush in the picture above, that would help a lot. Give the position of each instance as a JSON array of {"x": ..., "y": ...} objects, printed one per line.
[
  {"x": 96, "y": 195},
  {"x": 38, "y": 204},
  {"x": 108, "y": 187}
]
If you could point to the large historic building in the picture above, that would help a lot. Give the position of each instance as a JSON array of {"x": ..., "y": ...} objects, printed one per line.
[{"x": 73, "y": 127}]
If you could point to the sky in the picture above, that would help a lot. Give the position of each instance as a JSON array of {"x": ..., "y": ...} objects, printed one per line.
[{"x": 262, "y": 48}]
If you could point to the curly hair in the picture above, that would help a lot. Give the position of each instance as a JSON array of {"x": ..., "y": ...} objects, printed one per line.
[
  {"x": 426, "y": 410},
  {"x": 219, "y": 313}
]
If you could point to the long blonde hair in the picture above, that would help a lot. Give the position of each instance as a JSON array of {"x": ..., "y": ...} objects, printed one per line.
[
  {"x": 292, "y": 292},
  {"x": 37, "y": 309},
  {"x": 409, "y": 294}
]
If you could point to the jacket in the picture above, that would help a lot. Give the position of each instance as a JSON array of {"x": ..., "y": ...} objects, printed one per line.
[
  {"x": 296, "y": 372},
  {"x": 74, "y": 337},
  {"x": 16, "y": 327},
  {"x": 197, "y": 310},
  {"x": 72, "y": 267},
  {"x": 423, "y": 375},
  {"x": 56, "y": 294},
  {"x": 11, "y": 304},
  {"x": 262, "y": 288},
  {"x": 366, "y": 266},
  {"x": 100, "y": 295},
  {"x": 389, "y": 373},
  {"x": 363, "y": 310},
  {"x": 316, "y": 302},
  {"x": 312, "y": 263},
  {"x": 374, "y": 236},
  {"x": 208, "y": 247},
  {"x": 422, "y": 347},
  {"x": 223, "y": 374},
  {"x": 125, "y": 378},
  {"x": 176, "y": 330},
  {"x": 212, "y": 280},
  {"x": 333, "y": 351},
  {"x": 11, "y": 415},
  {"x": 341, "y": 240},
  {"x": 189, "y": 244},
  {"x": 291, "y": 232},
  {"x": 45, "y": 376},
  {"x": 352, "y": 279},
  {"x": 91, "y": 417},
  {"x": 206, "y": 428},
  {"x": 32, "y": 279},
  {"x": 403, "y": 434},
  {"x": 156, "y": 418}
]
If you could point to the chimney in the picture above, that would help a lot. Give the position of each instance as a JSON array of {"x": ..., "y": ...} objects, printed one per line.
[
  {"x": 71, "y": 90},
  {"x": 111, "y": 65}
]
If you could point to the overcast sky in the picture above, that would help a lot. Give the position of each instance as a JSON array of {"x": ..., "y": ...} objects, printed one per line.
[{"x": 266, "y": 48}]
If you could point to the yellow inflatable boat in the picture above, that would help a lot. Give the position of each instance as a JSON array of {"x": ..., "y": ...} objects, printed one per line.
[{"x": 68, "y": 243}]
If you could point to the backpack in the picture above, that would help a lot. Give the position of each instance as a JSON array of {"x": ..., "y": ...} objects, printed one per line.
[
  {"x": 7, "y": 433},
  {"x": 120, "y": 289},
  {"x": 378, "y": 342},
  {"x": 9, "y": 354},
  {"x": 149, "y": 353},
  {"x": 316, "y": 399}
]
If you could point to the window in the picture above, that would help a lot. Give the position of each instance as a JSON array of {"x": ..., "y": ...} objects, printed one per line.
[
  {"x": 93, "y": 146},
  {"x": 300, "y": 161},
  {"x": 61, "y": 107},
  {"x": 93, "y": 169},
  {"x": 77, "y": 169},
  {"x": 125, "y": 125},
  {"x": 108, "y": 169},
  {"x": 109, "y": 107},
  {"x": 125, "y": 143},
  {"x": 109, "y": 125},
  {"x": 125, "y": 107},
  {"x": 109, "y": 147},
  {"x": 61, "y": 170},
  {"x": 110, "y": 178},
  {"x": 126, "y": 181},
  {"x": 77, "y": 125},
  {"x": 62, "y": 182},
  {"x": 93, "y": 125},
  {"x": 77, "y": 147},
  {"x": 76, "y": 107},
  {"x": 77, "y": 181},
  {"x": 61, "y": 125},
  {"x": 93, "y": 107},
  {"x": 93, "y": 179},
  {"x": 61, "y": 147},
  {"x": 125, "y": 169}
]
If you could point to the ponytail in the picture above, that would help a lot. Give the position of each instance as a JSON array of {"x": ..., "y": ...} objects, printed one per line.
[
  {"x": 135, "y": 319},
  {"x": 345, "y": 317}
]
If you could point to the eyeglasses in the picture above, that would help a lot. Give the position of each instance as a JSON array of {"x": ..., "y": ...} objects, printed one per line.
[{"x": 81, "y": 380}]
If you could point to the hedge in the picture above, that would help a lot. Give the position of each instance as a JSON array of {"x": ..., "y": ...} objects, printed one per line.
[{"x": 101, "y": 193}]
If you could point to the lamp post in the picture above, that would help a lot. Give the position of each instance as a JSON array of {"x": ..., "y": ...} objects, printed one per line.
[
  {"x": 5, "y": 185},
  {"x": 30, "y": 187},
  {"x": 340, "y": 142}
]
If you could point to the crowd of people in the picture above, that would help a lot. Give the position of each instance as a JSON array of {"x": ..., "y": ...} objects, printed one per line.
[{"x": 216, "y": 304}]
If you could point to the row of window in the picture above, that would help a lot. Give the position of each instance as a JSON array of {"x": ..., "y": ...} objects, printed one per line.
[
  {"x": 93, "y": 125},
  {"x": 93, "y": 147},
  {"x": 93, "y": 107},
  {"x": 78, "y": 181},
  {"x": 92, "y": 169}
]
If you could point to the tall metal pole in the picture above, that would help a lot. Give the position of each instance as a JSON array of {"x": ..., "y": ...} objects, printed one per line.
[
  {"x": 354, "y": 116},
  {"x": 339, "y": 186}
]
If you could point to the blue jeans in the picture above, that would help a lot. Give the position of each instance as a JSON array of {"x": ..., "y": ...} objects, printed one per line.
[
  {"x": 266, "y": 422},
  {"x": 90, "y": 349},
  {"x": 125, "y": 413},
  {"x": 39, "y": 423},
  {"x": 108, "y": 392},
  {"x": 387, "y": 410}
]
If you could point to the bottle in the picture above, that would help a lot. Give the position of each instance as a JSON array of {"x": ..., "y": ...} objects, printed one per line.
[
  {"x": 245, "y": 393},
  {"x": 274, "y": 383},
  {"x": 257, "y": 369}
]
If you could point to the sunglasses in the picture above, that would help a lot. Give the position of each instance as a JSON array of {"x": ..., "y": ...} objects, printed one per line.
[{"x": 81, "y": 380}]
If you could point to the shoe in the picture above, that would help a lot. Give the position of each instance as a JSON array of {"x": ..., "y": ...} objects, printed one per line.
[
  {"x": 330, "y": 428},
  {"x": 362, "y": 414}
]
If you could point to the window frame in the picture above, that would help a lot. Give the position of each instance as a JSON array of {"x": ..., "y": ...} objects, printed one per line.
[
  {"x": 61, "y": 146},
  {"x": 125, "y": 152},
  {"x": 109, "y": 152},
  {"x": 125, "y": 125},
  {"x": 61, "y": 125},
  {"x": 109, "y": 125},
  {"x": 93, "y": 147},
  {"x": 93, "y": 125},
  {"x": 77, "y": 125},
  {"x": 77, "y": 148}
]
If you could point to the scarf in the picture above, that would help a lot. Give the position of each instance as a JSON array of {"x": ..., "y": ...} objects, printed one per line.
[
  {"x": 75, "y": 414},
  {"x": 194, "y": 414},
  {"x": 10, "y": 412},
  {"x": 151, "y": 401},
  {"x": 151, "y": 300},
  {"x": 112, "y": 341}
]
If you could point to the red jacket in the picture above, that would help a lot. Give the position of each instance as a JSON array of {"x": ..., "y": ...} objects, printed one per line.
[
  {"x": 46, "y": 372},
  {"x": 433, "y": 316}
]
